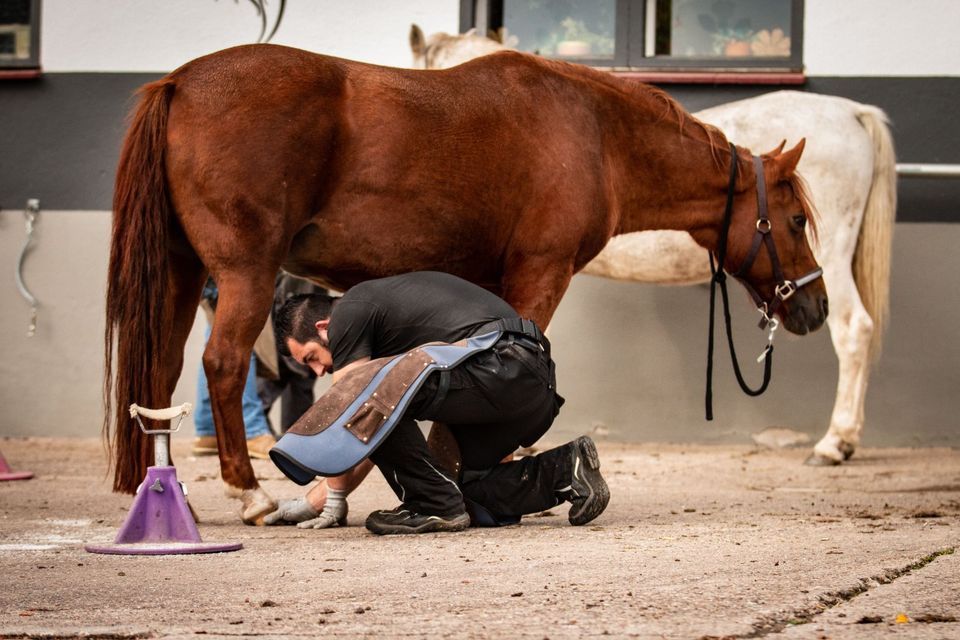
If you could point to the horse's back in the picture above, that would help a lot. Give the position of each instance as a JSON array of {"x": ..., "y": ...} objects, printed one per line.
[
  {"x": 829, "y": 123},
  {"x": 333, "y": 154}
]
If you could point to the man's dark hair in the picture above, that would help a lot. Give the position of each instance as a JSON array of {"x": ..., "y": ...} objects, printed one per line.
[{"x": 297, "y": 319}]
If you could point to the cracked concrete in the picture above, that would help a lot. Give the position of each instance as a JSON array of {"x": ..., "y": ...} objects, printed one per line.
[{"x": 698, "y": 542}]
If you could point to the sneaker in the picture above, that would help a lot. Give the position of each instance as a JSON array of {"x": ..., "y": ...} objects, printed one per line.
[
  {"x": 260, "y": 446},
  {"x": 204, "y": 446},
  {"x": 402, "y": 520},
  {"x": 588, "y": 492}
]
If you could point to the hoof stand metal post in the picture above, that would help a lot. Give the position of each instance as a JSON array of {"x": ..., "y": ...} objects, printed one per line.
[
  {"x": 7, "y": 474},
  {"x": 160, "y": 521}
]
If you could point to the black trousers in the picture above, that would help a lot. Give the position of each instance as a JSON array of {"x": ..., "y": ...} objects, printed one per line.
[{"x": 497, "y": 401}]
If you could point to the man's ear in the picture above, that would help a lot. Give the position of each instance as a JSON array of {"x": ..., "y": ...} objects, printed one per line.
[{"x": 322, "y": 325}]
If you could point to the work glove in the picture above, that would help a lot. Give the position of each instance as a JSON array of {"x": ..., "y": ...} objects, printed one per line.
[
  {"x": 334, "y": 512},
  {"x": 291, "y": 511}
]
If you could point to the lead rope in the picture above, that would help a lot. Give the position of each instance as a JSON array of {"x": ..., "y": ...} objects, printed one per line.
[{"x": 718, "y": 277}]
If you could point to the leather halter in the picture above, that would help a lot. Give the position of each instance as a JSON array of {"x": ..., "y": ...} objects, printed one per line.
[{"x": 783, "y": 288}]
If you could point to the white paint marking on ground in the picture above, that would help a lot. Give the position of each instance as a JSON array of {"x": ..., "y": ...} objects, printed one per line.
[
  {"x": 27, "y": 547},
  {"x": 69, "y": 523}
]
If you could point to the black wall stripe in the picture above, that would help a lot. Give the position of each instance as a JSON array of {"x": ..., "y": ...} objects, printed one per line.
[{"x": 60, "y": 134}]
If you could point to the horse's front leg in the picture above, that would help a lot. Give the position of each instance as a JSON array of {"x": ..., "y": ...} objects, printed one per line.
[
  {"x": 850, "y": 330},
  {"x": 243, "y": 304},
  {"x": 534, "y": 286}
]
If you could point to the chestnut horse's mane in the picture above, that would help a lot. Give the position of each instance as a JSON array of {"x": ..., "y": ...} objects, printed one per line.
[
  {"x": 643, "y": 91},
  {"x": 719, "y": 145},
  {"x": 802, "y": 192}
]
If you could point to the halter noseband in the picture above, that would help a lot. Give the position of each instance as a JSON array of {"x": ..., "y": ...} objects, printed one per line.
[{"x": 783, "y": 288}]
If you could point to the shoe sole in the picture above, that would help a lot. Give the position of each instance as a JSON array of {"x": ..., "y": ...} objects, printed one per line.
[
  {"x": 599, "y": 496},
  {"x": 432, "y": 525}
]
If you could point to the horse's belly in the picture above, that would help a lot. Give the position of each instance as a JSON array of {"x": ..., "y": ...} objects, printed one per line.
[
  {"x": 660, "y": 257},
  {"x": 339, "y": 255}
]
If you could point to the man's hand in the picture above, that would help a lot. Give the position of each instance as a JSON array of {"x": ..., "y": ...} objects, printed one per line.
[
  {"x": 292, "y": 511},
  {"x": 334, "y": 512}
]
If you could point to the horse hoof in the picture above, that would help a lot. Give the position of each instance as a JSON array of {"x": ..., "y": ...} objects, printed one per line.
[
  {"x": 255, "y": 514},
  {"x": 815, "y": 460},
  {"x": 847, "y": 450},
  {"x": 256, "y": 504}
]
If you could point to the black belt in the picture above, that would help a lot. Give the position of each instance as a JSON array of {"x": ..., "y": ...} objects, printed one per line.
[{"x": 518, "y": 327}]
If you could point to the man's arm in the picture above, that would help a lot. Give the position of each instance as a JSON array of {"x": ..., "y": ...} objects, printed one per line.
[{"x": 345, "y": 483}]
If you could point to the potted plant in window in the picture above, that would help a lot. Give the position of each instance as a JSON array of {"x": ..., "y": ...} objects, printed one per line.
[{"x": 578, "y": 41}]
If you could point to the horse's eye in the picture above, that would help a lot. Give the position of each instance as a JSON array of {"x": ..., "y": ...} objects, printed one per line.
[{"x": 800, "y": 220}]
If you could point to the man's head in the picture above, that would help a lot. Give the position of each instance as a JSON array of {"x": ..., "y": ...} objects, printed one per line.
[{"x": 300, "y": 327}]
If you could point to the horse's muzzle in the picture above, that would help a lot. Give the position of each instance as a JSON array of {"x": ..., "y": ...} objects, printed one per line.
[{"x": 806, "y": 311}]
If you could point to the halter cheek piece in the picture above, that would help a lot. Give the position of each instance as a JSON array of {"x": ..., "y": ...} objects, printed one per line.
[{"x": 783, "y": 288}]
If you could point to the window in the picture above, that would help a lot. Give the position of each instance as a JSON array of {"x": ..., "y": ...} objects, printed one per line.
[
  {"x": 19, "y": 34},
  {"x": 685, "y": 35}
]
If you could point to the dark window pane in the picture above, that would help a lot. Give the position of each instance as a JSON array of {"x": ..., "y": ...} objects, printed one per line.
[
  {"x": 14, "y": 11},
  {"x": 14, "y": 30}
]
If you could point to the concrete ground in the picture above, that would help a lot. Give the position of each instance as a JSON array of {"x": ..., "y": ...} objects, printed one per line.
[{"x": 698, "y": 542}]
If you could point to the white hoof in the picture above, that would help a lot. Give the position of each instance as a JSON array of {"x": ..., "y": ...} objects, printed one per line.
[
  {"x": 826, "y": 453},
  {"x": 813, "y": 460}
]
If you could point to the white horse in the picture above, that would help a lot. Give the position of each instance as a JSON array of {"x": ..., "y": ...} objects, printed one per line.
[{"x": 850, "y": 167}]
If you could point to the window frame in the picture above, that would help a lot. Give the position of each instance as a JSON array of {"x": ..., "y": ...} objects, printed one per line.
[
  {"x": 33, "y": 61},
  {"x": 630, "y": 43}
]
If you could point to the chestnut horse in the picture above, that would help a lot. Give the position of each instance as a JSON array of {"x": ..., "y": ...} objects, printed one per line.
[{"x": 510, "y": 171}]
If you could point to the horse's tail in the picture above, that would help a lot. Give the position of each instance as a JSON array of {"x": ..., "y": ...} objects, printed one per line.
[
  {"x": 871, "y": 261},
  {"x": 136, "y": 285}
]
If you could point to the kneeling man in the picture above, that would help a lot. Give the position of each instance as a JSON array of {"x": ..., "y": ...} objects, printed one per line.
[{"x": 498, "y": 399}]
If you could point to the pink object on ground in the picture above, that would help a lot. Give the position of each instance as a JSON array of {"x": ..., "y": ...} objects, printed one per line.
[{"x": 7, "y": 474}]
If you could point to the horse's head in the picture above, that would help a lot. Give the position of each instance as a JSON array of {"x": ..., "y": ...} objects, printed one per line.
[
  {"x": 767, "y": 246},
  {"x": 441, "y": 50}
]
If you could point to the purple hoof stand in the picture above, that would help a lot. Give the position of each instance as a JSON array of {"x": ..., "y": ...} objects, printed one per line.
[
  {"x": 7, "y": 474},
  {"x": 160, "y": 522}
]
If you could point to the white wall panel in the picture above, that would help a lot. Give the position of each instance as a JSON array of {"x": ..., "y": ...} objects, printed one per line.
[
  {"x": 160, "y": 35},
  {"x": 881, "y": 38}
]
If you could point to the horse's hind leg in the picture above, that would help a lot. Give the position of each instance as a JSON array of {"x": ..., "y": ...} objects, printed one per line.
[
  {"x": 850, "y": 330},
  {"x": 186, "y": 275},
  {"x": 243, "y": 305}
]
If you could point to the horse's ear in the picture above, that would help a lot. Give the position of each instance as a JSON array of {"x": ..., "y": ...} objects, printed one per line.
[
  {"x": 417, "y": 41},
  {"x": 778, "y": 150},
  {"x": 786, "y": 163}
]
